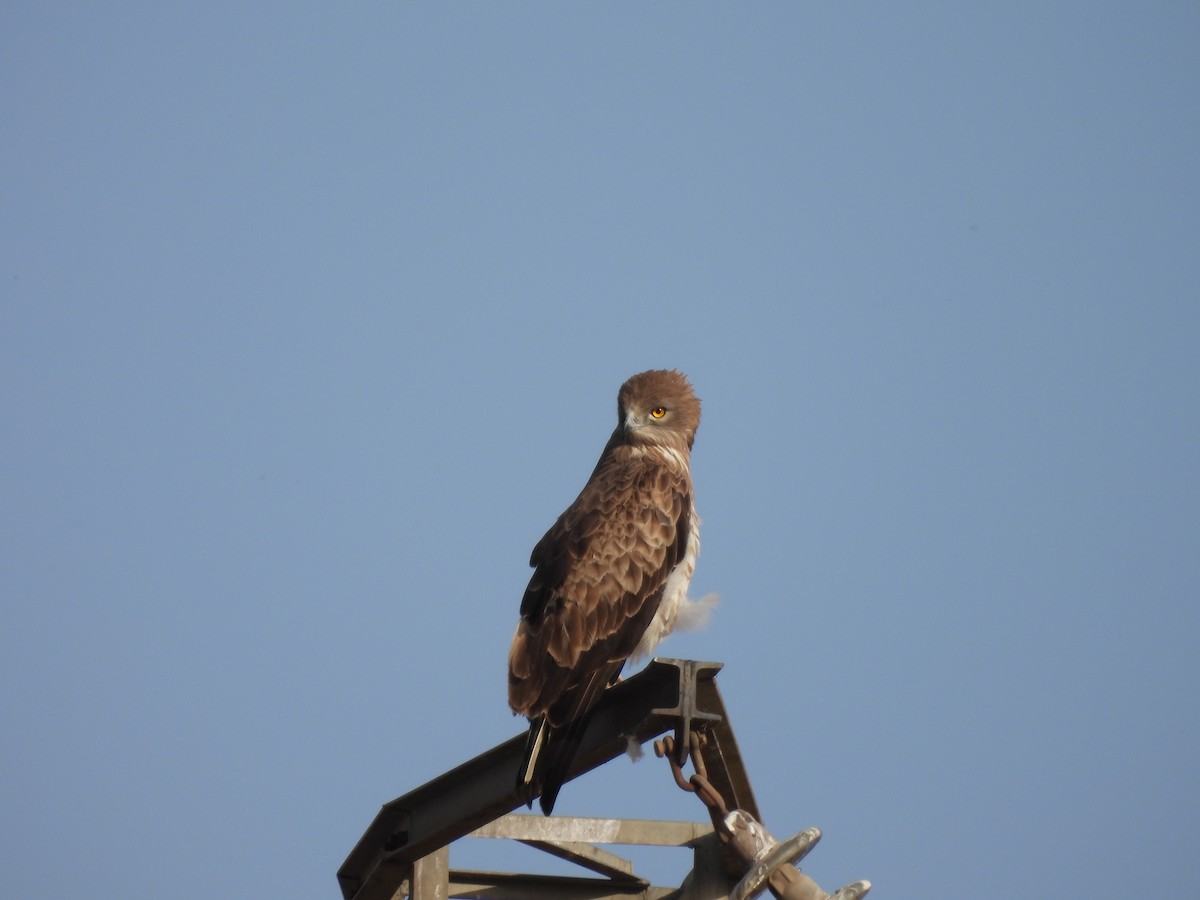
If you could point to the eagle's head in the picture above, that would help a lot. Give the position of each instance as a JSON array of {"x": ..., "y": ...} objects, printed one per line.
[{"x": 659, "y": 407}]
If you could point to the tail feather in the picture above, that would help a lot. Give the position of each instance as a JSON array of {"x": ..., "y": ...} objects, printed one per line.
[
  {"x": 550, "y": 750},
  {"x": 558, "y": 756},
  {"x": 527, "y": 778}
]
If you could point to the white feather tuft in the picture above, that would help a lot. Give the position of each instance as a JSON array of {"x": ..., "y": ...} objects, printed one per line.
[
  {"x": 633, "y": 748},
  {"x": 693, "y": 614}
]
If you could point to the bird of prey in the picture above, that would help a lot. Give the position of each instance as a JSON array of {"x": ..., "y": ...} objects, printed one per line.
[{"x": 610, "y": 576}]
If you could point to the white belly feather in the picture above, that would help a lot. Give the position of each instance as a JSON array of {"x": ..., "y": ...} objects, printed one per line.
[{"x": 676, "y": 608}]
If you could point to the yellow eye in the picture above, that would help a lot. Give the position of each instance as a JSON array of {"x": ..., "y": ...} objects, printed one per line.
[{"x": 658, "y": 412}]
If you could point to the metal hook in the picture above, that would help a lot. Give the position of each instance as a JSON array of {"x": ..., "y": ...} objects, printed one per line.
[{"x": 666, "y": 747}]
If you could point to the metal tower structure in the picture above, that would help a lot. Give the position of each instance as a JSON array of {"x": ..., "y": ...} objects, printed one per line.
[{"x": 405, "y": 851}]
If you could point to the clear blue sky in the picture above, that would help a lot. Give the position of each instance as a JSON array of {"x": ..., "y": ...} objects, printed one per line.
[{"x": 312, "y": 318}]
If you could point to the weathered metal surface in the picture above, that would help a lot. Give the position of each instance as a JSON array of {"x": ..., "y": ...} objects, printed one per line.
[
  {"x": 851, "y": 891},
  {"x": 614, "y": 868},
  {"x": 484, "y": 788},
  {"x": 431, "y": 876},
  {"x": 687, "y": 709},
  {"x": 406, "y": 846},
  {"x": 645, "y": 832},
  {"x": 768, "y": 856},
  {"x": 723, "y": 762},
  {"x": 507, "y": 886},
  {"x": 749, "y": 853}
]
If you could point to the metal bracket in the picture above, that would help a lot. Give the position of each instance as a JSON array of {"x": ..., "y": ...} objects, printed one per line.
[{"x": 687, "y": 710}]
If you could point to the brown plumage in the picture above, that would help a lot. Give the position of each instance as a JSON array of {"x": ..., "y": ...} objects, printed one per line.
[{"x": 609, "y": 576}]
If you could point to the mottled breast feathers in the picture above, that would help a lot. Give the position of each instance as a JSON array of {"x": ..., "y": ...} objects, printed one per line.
[{"x": 601, "y": 563}]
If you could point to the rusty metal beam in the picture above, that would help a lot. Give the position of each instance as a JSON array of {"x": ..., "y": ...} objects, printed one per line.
[
  {"x": 632, "y": 832},
  {"x": 614, "y": 868},
  {"x": 507, "y": 886},
  {"x": 452, "y": 805},
  {"x": 431, "y": 876},
  {"x": 722, "y": 757}
]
